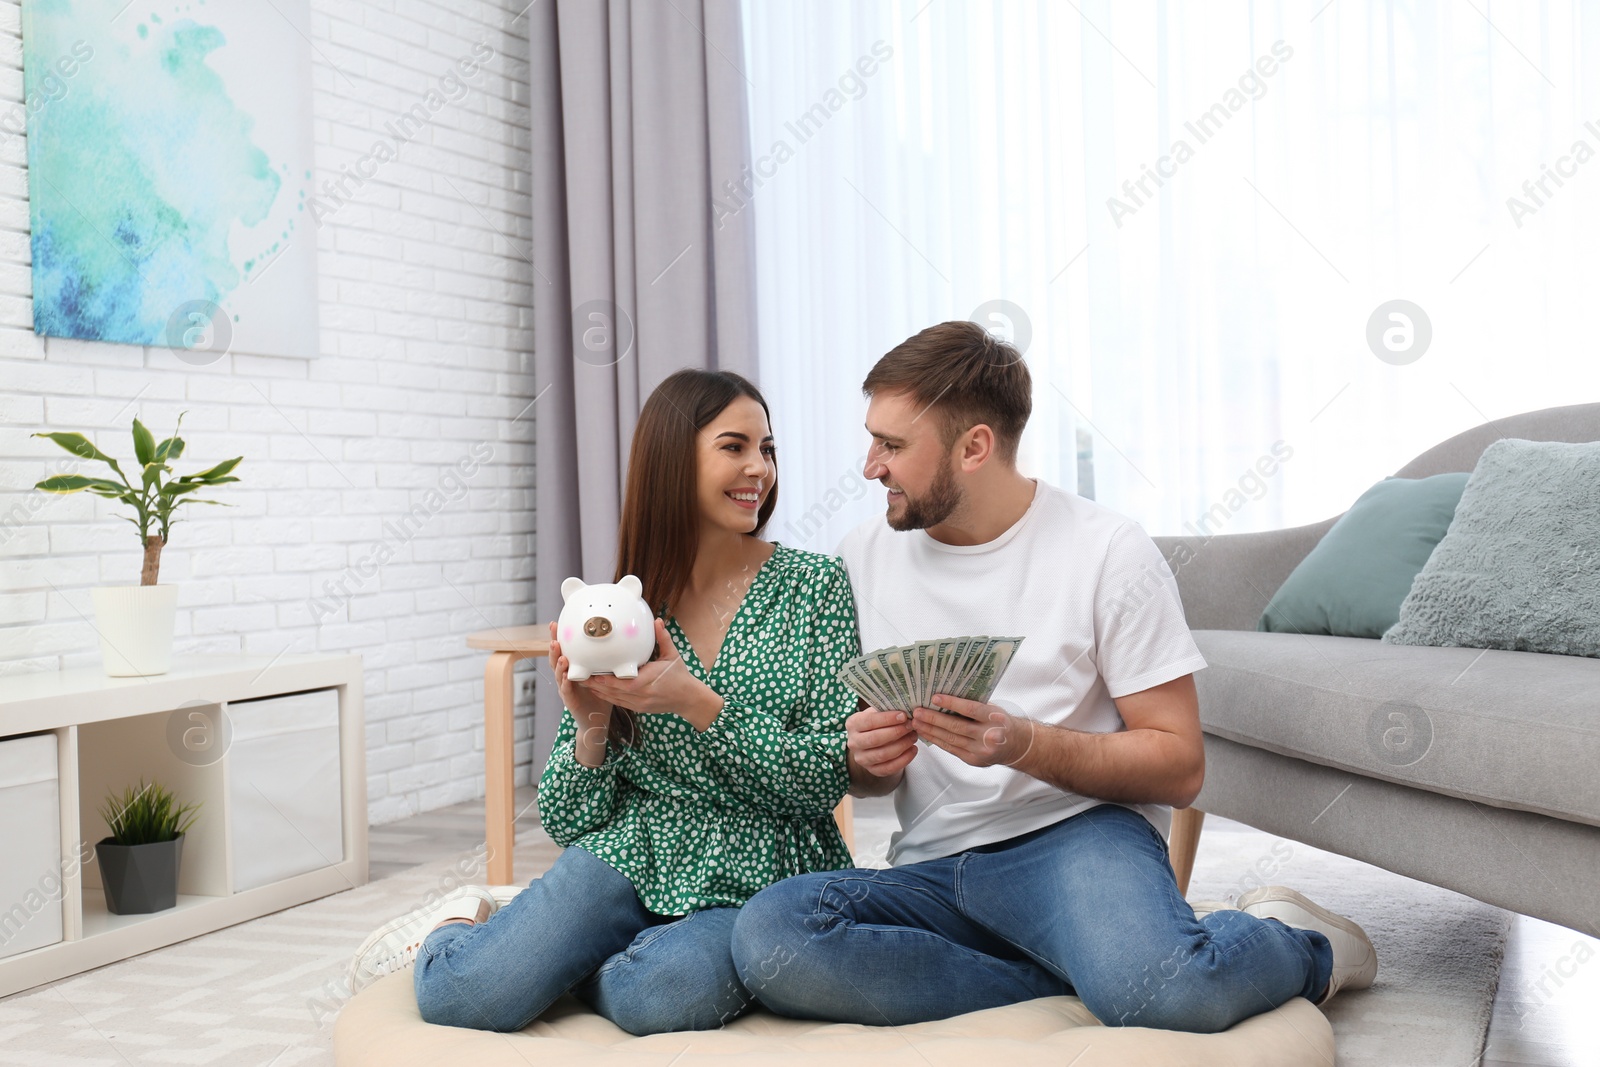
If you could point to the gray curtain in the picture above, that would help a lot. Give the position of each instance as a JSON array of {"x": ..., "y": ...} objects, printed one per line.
[{"x": 638, "y": 117}]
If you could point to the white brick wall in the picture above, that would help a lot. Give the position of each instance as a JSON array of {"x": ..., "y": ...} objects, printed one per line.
[{"x": 426, "y": 360}]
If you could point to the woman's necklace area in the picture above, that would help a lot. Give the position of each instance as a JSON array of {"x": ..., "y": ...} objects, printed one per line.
[
  {"x": 723, "y": 604},
  {"x": 705, "y": 621}
]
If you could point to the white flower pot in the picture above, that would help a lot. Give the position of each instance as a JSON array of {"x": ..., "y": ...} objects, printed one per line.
[{"x": 135, "y": 624}]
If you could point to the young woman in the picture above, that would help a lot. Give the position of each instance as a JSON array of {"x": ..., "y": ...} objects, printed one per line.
[{"x": 680, "y": 793}]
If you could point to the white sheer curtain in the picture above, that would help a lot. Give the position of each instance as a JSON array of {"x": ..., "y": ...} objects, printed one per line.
[{"x": 1334, "y": 157}]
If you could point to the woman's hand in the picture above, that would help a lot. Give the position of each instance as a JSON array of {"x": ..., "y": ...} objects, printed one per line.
[
  {"x": 664, "y": 687},
  {"x": 593, "y": 714},
  {"x": 577, "y": 696}
]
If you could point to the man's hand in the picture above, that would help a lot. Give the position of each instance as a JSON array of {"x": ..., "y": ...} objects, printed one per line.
[
  {"x": 664, "y": 687},
  {"x": 981, "y": 735},
  {"x": 878, "y": 744},
  {"x": 1159, "y": 758}
]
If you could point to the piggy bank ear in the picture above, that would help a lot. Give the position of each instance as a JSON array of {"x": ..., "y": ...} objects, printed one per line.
[
  {"x": 570, "y": 586},
  {"x": 630, "y": 585}
]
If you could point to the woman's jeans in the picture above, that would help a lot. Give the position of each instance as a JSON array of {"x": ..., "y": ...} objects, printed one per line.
[
  {"x": 1087, "y": 906},
  {"x": 582, "y": 928}
]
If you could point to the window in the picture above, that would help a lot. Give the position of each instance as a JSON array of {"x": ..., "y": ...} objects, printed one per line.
[{"x": 1196, "y": 217}]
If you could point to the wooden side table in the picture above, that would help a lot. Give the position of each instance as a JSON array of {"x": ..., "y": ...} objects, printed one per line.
[{"x": 506, "y": 646}]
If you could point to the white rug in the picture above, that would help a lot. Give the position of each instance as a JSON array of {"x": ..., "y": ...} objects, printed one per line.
[{"x": 266, "y": 992}]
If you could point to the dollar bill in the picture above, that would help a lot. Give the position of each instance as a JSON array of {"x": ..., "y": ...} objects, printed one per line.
[
  {"x": 883, "y": 697},
  {"x": 907, "y": 677},
  {"x": 900, "y": 675},
  {"x": 981, "y": 679},
  {"x": 939, "y": 656},
  {"x": 958, "y": 656},
  {"x": 976, "y": 653},
  {"x": 879, "y": 674},
  {"x": 854, "y": 675},
  {"x": 1004, "y": 649},
  {"x": 981, "y": 682},
  {"x": 925, "y": 659}
]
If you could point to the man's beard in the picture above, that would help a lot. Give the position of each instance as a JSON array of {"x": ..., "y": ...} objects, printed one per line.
[{"x": 941, "y": 501}]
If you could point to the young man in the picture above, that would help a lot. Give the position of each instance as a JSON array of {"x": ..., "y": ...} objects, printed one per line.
[{"x": 1031, "y": 858}]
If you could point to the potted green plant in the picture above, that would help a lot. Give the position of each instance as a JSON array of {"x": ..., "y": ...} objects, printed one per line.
[
  {"x": 135, "y": 621},
  {"x": 139, "y": 861}
]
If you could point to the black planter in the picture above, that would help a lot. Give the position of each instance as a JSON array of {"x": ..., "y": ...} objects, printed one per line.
[{"x": 139, "y": 878}]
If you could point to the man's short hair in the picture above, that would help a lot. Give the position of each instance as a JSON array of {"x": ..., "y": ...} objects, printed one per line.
[{"x": 965, "y": 375}]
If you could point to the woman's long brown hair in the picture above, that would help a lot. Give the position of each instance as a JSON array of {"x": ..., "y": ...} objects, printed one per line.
[{"x": 659, "y": 534}]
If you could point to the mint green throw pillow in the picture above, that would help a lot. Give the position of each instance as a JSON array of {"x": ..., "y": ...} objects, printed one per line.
[
  {"x": 1353, "y": 582},
  {"x": 1520, "y": 567}
]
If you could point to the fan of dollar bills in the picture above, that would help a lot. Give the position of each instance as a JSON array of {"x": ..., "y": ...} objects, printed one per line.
[{"x": 899, "y": 679}]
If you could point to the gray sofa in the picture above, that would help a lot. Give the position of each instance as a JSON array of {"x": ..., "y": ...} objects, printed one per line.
[{"x": 1474, "y": 770}]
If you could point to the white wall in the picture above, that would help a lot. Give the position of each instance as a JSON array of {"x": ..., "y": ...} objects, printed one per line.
[{"x": 426, "y": 359}]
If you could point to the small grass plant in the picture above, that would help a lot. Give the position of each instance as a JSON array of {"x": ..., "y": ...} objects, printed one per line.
[{"x": 148, "y": 815}]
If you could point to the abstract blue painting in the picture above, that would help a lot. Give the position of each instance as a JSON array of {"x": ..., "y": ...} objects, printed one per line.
[{"x": 169, "y": 164}]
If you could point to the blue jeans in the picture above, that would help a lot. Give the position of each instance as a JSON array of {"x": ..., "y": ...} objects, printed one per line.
[
  {"x": 581, "y": 928},
  {"x": 1087, "y": 906}
]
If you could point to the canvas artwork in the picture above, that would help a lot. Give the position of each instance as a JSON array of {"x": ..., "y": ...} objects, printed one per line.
[{"x": 169, "y": 168}]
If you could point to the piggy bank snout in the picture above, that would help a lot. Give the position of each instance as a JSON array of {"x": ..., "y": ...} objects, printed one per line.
[{"x": 598, "y": 626}]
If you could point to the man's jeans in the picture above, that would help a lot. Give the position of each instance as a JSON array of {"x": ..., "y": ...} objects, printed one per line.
[
  {"x": 582, "y": 928},
  {"x": 1087, "y": 906}
]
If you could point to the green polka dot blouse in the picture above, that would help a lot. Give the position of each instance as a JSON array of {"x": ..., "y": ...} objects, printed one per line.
[{"x": 700, "y": 820}]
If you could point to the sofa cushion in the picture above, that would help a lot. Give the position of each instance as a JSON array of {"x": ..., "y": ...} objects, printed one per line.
[
  {"x": 1354, "y": 581},
  {"x": 1511, "y": 729},
  {"x": 380, "y": 1027},
  {"x": 1520, "y": 567}
]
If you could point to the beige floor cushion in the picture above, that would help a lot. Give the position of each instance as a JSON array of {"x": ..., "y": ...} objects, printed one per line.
[{"x": 380, "y": 1027}]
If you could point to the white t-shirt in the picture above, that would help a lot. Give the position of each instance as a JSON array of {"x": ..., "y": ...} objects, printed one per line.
[{"x": 1099, "y": 610}]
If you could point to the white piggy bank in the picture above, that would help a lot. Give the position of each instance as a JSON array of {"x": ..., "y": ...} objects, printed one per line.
[{"x": 605, "y": 629}]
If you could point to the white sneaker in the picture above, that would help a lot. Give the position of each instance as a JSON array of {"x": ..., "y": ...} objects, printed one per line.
[
  {"x": 503, "y": 893},
  {"x": 1355, "y": 961},
  {"x": 1202, "y": 908},
  {"x": 393, "y": 946}
]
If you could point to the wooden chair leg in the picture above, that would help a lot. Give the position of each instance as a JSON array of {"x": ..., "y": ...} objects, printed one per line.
[
  {"x": 845, "y": 816},
  {"x": 498, "y": 794},
  {"x": 1183, "y": 843}
]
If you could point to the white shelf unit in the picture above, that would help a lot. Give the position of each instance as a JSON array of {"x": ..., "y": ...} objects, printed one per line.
[{"x": 110, "y": 733}]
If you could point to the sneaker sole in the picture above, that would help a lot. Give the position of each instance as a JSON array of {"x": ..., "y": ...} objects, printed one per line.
[
  {"x": 1360, "y": 976},
  {"x": 355, "y": 977}
]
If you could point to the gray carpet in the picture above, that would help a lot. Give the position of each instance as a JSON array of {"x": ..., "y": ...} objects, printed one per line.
[
  {"x": 1439, "y": 952},
  {"x": 266, "y": 992}
]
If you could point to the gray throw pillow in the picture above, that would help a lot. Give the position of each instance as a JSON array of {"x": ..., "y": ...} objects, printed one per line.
[
  {"x": 1520, "y": 566},
  {"x": 1353, "y": 582}
]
